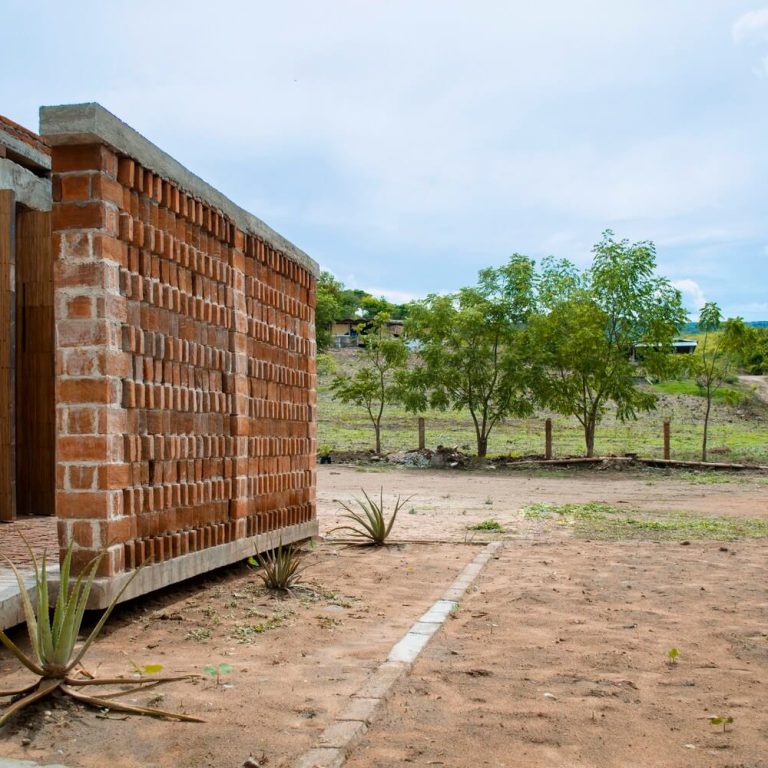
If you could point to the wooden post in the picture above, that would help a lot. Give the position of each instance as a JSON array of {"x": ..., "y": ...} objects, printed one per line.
[
  {"x": 7, "y": 355},
  {"x": 422, "y": 434},
  {"x": 548, "y": 439},
  {"x": 666, "y": 439}
]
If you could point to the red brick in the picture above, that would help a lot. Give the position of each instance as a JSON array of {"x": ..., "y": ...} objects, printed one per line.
[
  {"x": 81, "y": 448},
  {"x": 78, "y": 216},
  {"x": 74, "y": 188},
  {"x": 80, "y": 307},
  {"x": 83, "y": 505},
  {"x": 84, "y": 391},
  {"x": 106, "y": 188},
  {"x": 126, "y": 171},
  {"x": 85, "y": 157}
]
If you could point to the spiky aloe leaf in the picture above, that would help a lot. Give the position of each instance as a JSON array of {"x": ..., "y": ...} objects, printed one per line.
[
  {"x": 61, "y": 598},
  {"x": 107, "y": 613},
  {"x": 29, "y": 617},
  {"x": 45, "y": 649},
  {"x": 45, "y": 688},
  {"x": 105, "y": 703}
]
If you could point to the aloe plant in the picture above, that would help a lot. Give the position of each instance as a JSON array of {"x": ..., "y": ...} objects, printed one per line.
[
  {"x": 280, "y": 569},
  {"x": 371, "y": 526},
  {"x": 55, "y": 652}
]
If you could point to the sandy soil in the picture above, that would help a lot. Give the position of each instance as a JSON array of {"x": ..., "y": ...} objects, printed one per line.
[
  {"x": 557, "y": 658},
  {"x": 444, "y": 504},
  {"x": 294, "y": 662}
]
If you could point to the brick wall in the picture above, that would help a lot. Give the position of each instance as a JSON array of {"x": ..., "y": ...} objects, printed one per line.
[{"x": 185, "y": 367}]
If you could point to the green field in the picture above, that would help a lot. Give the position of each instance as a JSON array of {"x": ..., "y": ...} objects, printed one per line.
[{"x": 738, "y": 432}]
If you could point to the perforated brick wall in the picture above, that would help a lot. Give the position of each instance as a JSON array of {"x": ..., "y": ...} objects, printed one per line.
[{"x": 185, "y": 364}]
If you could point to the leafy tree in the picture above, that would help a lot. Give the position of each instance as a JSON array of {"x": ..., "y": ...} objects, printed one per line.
[
  {"x": 753, "y": 356},
  {"x": 589, "y": 325},
  {"x": 716, "y": 357},
  {"x": 374, "y": 384},
  {"x": 327, "y": 309},
  {"x": 471, "y": 349}
]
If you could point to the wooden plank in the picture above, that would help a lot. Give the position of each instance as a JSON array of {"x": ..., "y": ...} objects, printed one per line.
[
  {"x": 7, "y": 355},
  {"x": 35, "y": 380}
]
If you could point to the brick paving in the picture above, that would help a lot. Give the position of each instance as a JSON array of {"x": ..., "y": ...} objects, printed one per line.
[{"x": 40, "y": 533}]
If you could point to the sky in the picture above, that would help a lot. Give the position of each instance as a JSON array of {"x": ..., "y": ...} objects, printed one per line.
[{"x": 407, "y": 144}]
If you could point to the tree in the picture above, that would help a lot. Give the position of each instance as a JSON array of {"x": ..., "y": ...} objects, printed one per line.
[
  {"x": 471, "y": 349},
  {"x": 327, "y": 309},
  {"x": 589, "y": 325},
  {"x": 374, "y": 384},
  {"x": 716, "y": 357}
]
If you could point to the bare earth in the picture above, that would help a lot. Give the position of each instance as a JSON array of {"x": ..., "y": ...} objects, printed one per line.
[{"x": 558, "y": 657}]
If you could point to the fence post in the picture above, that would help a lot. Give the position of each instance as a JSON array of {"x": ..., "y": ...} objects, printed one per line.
[
  {"x": 422, "y": 434},
  {"x": 548, "y": 439},
  {"x": 666, "y": 439}
]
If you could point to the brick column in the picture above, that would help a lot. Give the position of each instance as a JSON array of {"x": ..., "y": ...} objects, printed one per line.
[{"x": 90, "y": 363}]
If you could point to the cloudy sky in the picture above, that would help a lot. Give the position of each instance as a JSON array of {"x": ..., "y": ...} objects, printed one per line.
[{"x": 406, "y": 144}]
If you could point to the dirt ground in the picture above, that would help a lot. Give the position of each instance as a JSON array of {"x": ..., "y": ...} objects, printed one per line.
[{"x": 557, "y": 657}]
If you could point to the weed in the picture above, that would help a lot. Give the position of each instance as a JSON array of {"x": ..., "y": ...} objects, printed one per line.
[
  {"x": 672, "y": 656},
  {"x": 247, "y": 633},
  {"x": 598, "y": 520},
  {"x": 487, "y": 525},
  {"x": 372, "y": 526},
  {"x": 217, "y": 671},
  {"x": 724, "y": 721},
  {"x": 199, "y": 634}
]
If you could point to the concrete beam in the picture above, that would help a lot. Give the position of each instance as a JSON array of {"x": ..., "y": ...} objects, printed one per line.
[
  {"x": 159, "y": 575},
  {"x": 30, "y": 190},
  {"x": 91, "y": 123},
  {"x": 21, "y": 148}
]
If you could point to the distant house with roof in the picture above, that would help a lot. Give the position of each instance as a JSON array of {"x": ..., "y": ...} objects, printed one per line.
[
  {"x": 347, "y": 331},
  {"x": 678, "y": 347}
]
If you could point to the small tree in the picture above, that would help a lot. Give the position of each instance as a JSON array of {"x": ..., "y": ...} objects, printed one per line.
[
  {"x": 589, "y": 325},
  {"x": 374, "y": 384},
  {"x": 716, "y": 357},
  {"x": 471, "y": 349},
  {"x": 327, "y": 309}
]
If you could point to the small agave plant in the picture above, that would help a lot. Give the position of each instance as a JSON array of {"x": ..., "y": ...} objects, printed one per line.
[
  {"x": 280, "y": 569},
  {"x": 371, "y": 526},
  {"x": 55, "y": 653}
]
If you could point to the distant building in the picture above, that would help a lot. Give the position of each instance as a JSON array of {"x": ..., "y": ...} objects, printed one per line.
[
  {"x": 679, "y": 347},
  {"x": 347, "y": 332}
]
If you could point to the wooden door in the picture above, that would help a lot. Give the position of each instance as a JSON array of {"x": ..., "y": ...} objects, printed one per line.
[{"x": 35, "y": 381}]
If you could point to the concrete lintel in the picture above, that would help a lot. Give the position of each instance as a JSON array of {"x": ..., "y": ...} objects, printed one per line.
[
  {"x": 152, "y": 577},
  {"x": 91, "y": 123},
  {"x": 33, "y": 156},
  {"x": 30, "y": 190}
]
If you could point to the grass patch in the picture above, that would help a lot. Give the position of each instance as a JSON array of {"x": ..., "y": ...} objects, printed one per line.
[
  {"x": 597, "y": 520},
  {"x": 487, "y": 525},
  {"x": 688, "y": 387},
  {"x": 737, "y": 433}
]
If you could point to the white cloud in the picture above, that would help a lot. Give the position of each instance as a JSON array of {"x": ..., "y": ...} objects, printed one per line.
[
  {"x": 693, "y": 296},
  {"x": 396, "y": 297},
  {"x": 751, "y": 28}
]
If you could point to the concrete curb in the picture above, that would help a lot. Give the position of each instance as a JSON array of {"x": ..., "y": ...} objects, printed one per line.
[{"x": 353, "y": 721}]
